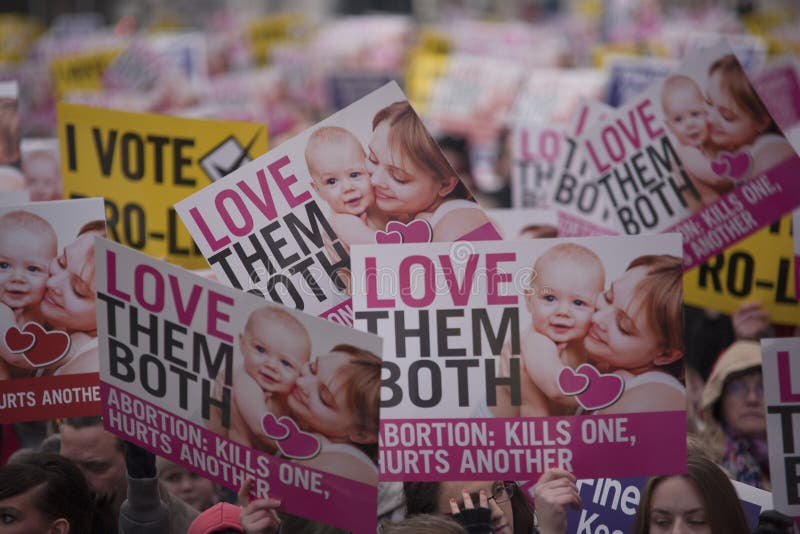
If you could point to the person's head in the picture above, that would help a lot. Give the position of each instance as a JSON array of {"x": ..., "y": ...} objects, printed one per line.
[
  {"x": 408, "y": 171},
  {"x": 638, "y": 321},
  {"x": 98, "y": 454},
  {"x": 222, "y": 518},
  {"x": 565, "y": 283},
  {"x": 42, "y": 175},
  {"x": 734, "y": 393},
  {"x": 685, "y": 110},
  {"x": 69, "y": 302},
  {"x": 336, "y": 162},
  {"x": 736, "y": 116},
  {"x": 538, "y": 231},
  {"x": 44, "y": 493},
  {"x": 422, "y": 524},
  {"x": 337, "y": 395},
  {"x": 27, "y": 246},
  {"x": 193, "y": 489},
  {"x": 511, "y": 512},
  {"x": 703, "y": 501},
  {"x": 274, "y": 346}
]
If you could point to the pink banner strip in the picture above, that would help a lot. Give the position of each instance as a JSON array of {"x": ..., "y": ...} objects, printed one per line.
[
  {"x": 306, "y": 492},
  {"x": 341, "y": 313},
  {"x": 753, "y": 205},
  {"x": 591, "y": 446},
  {"x": 487, "y": 232},
  {"x": 571, "y": 226},
  {"x": 47, "y": 397}
]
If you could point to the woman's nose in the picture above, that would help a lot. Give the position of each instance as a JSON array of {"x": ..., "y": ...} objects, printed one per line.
[
  {"x": 497, "y": 512},
  {"x": 377, "y": 178}
]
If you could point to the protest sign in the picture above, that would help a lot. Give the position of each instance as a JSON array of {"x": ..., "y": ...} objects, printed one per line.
[
  {"x": 535, "y": 151},
  {"x": 281, "y": 226},
  {"x": 550, "y": 96},
  {"x": 228, "y": 386},
  {"x": 669, "y": 162},
  {"x": 344, "y": 88},
  {"x": 9, "y": 125},
  {"x": 779, "y": 86},
  {"x": 81, "y": 71},
  {"x": 781, "y": 371},
  {"x": 265, "y": 33},
  {"x": 474, "y": 385},
  {"x": 759, "y": 267},
  {"x": 632, "y": 75},
  {"x": 48, "y": 348},
  {"x": 143, "y": 163},
  {"x": 576, "y": 196},
  {"x": 796, "y": 240},
  {"x": 473, "y": 95}
]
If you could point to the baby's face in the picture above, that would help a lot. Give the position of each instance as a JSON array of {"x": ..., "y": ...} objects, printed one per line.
[
  {"x": 272, "y": 355},
  {"x": 24, "y": 262},
  {"x": 340, "y": 177},
  {"x": 562, "y": 301},
  {"x": 686, "y": 115}
]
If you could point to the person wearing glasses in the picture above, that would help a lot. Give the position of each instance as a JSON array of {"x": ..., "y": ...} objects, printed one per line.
[
  {"x": 510, "y": 511},
  {"x": 733, "y": 408}
]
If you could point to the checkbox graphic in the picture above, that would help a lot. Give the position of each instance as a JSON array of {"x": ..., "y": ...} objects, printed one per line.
[{"x": 226, "y": 158}]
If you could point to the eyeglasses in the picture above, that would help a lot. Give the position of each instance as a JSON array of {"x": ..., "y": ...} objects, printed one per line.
[
  {"x": 741, "y": 388},
  {"x": 502, "y": 492}
]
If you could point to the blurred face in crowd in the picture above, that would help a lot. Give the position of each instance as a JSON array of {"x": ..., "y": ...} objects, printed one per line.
[
  {"x": 676, "y": 508},
  {"x": 19, "y": 515},
  {"x": 742, "y": 404},
  {"x": 190, "y": 487},
  {"x": 99, "y": 456}
]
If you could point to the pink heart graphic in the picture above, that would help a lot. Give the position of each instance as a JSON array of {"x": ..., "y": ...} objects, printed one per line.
[
  {"x": 738, "y": 164},
  {"x": 604, "y": 389},
  {"x": 299, "y": 444},
  {"x": 272, "y": 428},
  {"x": 18, "y": 341},
  {"x": 417, "y": 231},
  {"x": 48, "y": 348},
  {"x": 571, "y": 383},
  {"x": 720, "y": 168},
  {"x": 388, "y": 238}
]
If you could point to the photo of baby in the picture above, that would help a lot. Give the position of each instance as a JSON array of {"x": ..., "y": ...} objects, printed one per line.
[
  {"x": 630, "y": 327},
  {"x": 47, "y": 286},
  {"x": 331, "y": 397},
  {"x": 724, "y": 134},
  {"x": 398, "y": 174}
]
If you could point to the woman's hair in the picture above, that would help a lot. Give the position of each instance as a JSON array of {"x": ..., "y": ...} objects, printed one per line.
[
  {"x": 61, "y": 490},
  {"x": 423, "y": 498},
  {"x": 734, "y": 81},
  {"x": 663, "y": 287},
  {"x": 723, "y": 510},
  {"x": 86, "y": 271},
  {"x": 361, "y": 377},
  {"x": 422, "y": 524},
  {"x": 415, "y": 143}
]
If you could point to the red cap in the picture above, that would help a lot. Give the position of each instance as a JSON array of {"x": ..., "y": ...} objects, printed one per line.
[{"x": 221, "y": 515}]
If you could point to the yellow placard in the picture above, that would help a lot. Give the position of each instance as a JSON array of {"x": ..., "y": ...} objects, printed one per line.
[
  {"x": 757, "y": 268},
  {"x": 17, "y": 33},
  {"x": 266, "y": 32},
  {"x": 82, "y": 71},
  {"x": 424, "y": 68},
  {"x": 143, "y": 164}
]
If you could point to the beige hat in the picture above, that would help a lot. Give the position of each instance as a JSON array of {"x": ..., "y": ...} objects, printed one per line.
[{"x": 740, "y": 356}]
